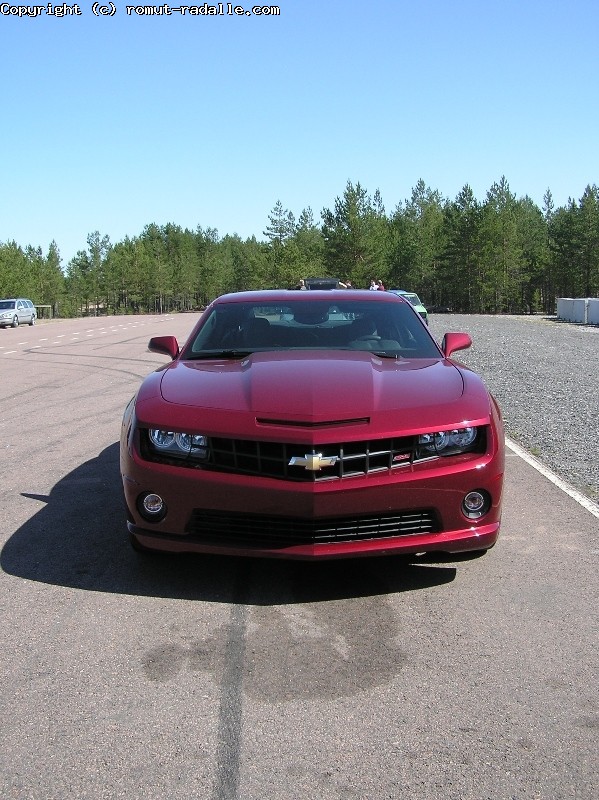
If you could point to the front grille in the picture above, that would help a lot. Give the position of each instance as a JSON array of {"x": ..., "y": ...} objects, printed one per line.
[
  {"x": 263, "y": 531},
  {"x": 271, "y": 459},
  {"x": 335, "y": 461}
]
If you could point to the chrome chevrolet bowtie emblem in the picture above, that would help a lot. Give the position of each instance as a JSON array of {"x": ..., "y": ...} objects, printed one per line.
[{"x": 313, "y": 461}]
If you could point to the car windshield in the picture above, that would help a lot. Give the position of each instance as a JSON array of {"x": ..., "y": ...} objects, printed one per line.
[
  {"x": 414, "y": 299},
  {"x": 235, "y": 329},
  {"x": 7, "y": 305}
]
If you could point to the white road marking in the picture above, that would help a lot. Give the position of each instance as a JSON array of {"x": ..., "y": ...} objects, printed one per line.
[{"x": 580, "y": 498}]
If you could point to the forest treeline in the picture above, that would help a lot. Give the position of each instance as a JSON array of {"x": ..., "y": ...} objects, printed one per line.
[{"x": 501, "y": 255}]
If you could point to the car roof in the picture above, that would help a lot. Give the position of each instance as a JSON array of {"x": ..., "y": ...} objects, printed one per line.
[{"x": 315, "y": 295}]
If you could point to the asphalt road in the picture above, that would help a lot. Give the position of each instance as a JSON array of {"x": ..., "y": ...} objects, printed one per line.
[{"x": 143, "y": 678}]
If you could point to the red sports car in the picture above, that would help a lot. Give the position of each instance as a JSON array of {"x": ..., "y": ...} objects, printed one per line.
[{"x": 308, "y": 425}]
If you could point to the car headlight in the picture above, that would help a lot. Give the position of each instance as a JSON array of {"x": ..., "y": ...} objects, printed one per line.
[
  {"x": 448, "y": 442},
  {"x": 178, "y": 445}
]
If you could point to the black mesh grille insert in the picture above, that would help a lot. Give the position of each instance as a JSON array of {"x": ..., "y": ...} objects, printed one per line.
[
  {"x": 271, "y": 459},
  {"x": 251, "y": 530}
]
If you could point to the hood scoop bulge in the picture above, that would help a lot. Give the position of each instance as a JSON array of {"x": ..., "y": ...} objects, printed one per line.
[{"x": 333, "y": 423}]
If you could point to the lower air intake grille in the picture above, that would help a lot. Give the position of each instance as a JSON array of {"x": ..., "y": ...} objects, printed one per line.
[{"x": 249, "y": 530}]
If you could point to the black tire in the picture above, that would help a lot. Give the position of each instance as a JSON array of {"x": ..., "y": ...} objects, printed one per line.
[{"x": 15, "y": 322}]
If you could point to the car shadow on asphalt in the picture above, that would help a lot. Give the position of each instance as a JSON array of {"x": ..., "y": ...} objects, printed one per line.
[{"x": 79, "y": 540}]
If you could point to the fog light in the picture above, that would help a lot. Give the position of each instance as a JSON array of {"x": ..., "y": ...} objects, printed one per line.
[
  {"x": 476, "y": 504},
  {"x": 151, "y": 506}
]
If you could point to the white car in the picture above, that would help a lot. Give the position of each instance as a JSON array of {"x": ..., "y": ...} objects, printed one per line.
[{"x": 16, "y": 312}]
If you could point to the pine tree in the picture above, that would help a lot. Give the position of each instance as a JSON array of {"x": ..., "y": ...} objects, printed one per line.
[
  {"x": 282, "y": 224},
  {"x": 459, "y": 274},
  {"x": 356, "y": 237},
  {"x": 589, "y": 241}
]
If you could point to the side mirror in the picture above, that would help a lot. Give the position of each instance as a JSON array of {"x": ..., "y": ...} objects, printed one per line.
[
  {"x": 455, "y": 341},
  {"x": 167, "y": 345}
]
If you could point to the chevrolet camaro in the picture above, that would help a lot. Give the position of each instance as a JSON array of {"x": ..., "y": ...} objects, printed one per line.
[{"x": 322, "y": 424}]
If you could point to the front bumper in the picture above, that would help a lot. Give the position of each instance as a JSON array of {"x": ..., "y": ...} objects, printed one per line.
[
  {"x": 456, "y": 542},
  {"x": 435, "y": 489}
]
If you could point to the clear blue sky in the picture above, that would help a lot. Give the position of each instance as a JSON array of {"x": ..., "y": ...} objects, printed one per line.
[{"x": 113, "y": 123}]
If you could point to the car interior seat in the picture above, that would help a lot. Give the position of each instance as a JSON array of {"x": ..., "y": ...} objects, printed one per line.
[{"x": 257, "y": 333}]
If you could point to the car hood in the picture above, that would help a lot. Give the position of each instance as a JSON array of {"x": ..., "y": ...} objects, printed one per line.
[{"x": 315, "y": 388}]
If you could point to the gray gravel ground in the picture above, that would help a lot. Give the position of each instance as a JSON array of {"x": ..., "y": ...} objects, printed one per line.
[{"x": 545, "y": 375}]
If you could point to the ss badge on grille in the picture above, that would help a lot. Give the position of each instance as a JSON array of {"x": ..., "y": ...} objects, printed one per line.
[{"x": 313, "y": 461}]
